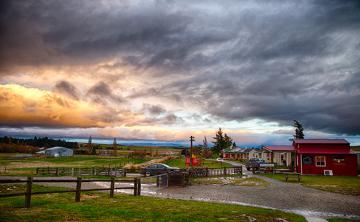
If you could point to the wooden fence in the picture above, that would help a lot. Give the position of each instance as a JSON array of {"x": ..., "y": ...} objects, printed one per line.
[
  {"x": 79, "y": 181},
  {"x": 206, "y": 172},
  {"x": 72, "y": 171}
]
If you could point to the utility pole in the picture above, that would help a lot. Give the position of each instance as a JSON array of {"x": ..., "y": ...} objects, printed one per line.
[{"x": 192, "y": 139}]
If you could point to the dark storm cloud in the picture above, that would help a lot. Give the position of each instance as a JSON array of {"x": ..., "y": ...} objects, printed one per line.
[
  {"x": 67, "y": 89},
  {"x": 101, "y": 93},
  {"x": 153, "y": 109},
  {"x": 238, "y": 60}
]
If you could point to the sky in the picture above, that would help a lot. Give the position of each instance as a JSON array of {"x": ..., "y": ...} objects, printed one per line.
[{"x": 167, "y": 69}]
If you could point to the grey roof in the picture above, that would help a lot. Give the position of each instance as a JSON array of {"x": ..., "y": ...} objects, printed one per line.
[{"x": 57, "y": 147}]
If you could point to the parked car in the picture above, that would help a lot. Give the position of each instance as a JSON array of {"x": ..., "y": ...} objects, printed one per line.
[
  {"x": 254, "y": 163},
  {"x": 156, "y": 169}
]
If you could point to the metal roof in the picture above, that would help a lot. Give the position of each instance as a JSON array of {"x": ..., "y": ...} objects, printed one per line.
[
  {"x": 280, "y": 148},
  {"x": 321, "y": 141},
  {"x": 57, "y": 148}
]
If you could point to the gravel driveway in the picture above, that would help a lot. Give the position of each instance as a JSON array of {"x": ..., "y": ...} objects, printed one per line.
[{"x": 280, "y": 195}]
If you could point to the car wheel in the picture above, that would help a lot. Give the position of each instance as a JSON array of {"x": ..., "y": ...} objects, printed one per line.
[
  {"x": 147, "y": 174},
  {"x": 248, "y": 168}
]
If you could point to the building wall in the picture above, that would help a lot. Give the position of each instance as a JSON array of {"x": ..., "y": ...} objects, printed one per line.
[
  {"x": 346, "y": 167},
  {"x": 59, "y": 152},
  {"x": 282, "y": 158},
  {"x": 254, "y": 154},
  {"x": 235, "y": 156},
  {"x": 266, "y": 156}
]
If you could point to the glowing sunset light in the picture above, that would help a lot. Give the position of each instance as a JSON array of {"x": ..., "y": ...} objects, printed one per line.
[{"x": 165, "y": 70}]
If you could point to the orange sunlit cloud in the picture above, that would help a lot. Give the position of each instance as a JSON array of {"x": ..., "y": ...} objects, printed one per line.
[{"x": 31, "y": 106}]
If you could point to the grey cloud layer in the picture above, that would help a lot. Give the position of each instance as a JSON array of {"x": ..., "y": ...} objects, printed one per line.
[{"x": 275, "y": 60}]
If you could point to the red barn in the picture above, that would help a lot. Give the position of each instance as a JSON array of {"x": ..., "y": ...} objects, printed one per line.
[{"x": 325, "y": 156}]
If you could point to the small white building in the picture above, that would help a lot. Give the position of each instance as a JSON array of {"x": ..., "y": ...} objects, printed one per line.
[{"x": 57, "y": 151}]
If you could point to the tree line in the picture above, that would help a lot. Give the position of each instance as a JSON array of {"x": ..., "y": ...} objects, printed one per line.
[
  {"x": 223, "y": 141},
  {"x": 39, "y": 142}
]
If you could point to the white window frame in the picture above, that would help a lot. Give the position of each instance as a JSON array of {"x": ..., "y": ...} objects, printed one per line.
[{"x": 316, "y": 161}]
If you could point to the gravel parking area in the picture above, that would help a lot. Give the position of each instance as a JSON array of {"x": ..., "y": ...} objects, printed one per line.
[{"x": 280, "y": 195}]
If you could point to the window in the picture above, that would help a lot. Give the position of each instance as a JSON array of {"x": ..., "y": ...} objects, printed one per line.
[
  {"x": 320, "y": 161},
  {"x": 307, "y": 160}
]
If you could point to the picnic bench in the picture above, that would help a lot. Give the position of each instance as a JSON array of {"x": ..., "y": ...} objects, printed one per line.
[{"x": 293, "y": 175}]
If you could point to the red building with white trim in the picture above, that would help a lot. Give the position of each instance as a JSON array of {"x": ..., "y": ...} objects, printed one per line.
[{"x": 321, "y": 156}]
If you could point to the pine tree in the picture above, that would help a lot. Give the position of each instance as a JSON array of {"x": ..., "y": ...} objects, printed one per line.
[
  {"x": 90, "y": 146},
  {"x": 234, "y": 144},
  {"x": 228, "y": 141},
  {"x": 299, "y": 130},
  {"x": 221, "y": 141},
  {"x": 114, "y": 144},
  {"x": 205, "y": 143}
]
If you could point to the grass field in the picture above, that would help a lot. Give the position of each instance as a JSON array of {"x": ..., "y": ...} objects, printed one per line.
[
  {"x": 99, "y": 207},
  {"x": 180, "y": 162},
  {"x": 74, "y": 161},
  {"x": 27, "y": 166},
  {"x": 336, "y": 184}
]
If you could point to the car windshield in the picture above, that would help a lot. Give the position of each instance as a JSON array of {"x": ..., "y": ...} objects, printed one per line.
[{"x": 165, "y": 166}]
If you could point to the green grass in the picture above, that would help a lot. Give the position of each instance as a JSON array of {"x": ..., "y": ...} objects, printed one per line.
[
  {"x": 99, "y": 207},
  {"x": 27, "y": 166},
  {"x": 252, "y": 181},
  {"x": 336, "y": 184},
  {"x": 77, "y": 160},
  {"x": 180, "y": 162},
  {"x": 19, "y": 188}
]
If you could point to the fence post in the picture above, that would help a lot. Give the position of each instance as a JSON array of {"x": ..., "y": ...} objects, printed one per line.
[
  {"x": 78, "y": 189},
  {"x": 224, "y": 170},
  {"x": 28, "y": 192},
  {"x": 57, "y": 171},
  {"x": 139, "y": 187},
  {"x": 124, "y": 172},
  {"x": 207, "y": 172},
  {"x": 135, "y": 186},
  {"x": 37, "y": 170},
  {"x": 112, "y": 187}
]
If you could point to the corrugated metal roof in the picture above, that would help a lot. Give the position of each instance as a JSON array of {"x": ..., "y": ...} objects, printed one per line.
[
  {"x": 57, "y": 147},
  {"x": 321, "y": 141},
  {"x": 280, "y": 148}
]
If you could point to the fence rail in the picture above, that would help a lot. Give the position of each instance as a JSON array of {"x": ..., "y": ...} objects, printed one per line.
[
  {"x": 73, "y": 171},
  {"x": 79, "y": 181},
  {"x": 206, "y": 172}
]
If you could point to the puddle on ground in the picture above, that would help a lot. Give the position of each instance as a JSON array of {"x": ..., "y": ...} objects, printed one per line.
[{"x": 150, "y": 189}]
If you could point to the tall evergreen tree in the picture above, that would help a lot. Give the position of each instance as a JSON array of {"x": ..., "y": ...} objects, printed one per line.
[
  {"x": 221, "y": 141},
  {"x": 114, "y": 143},
  {"x": 299, "y": 130},
  {"x": 228, "y": 141},
  {"x": 205, "y": 143}
]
